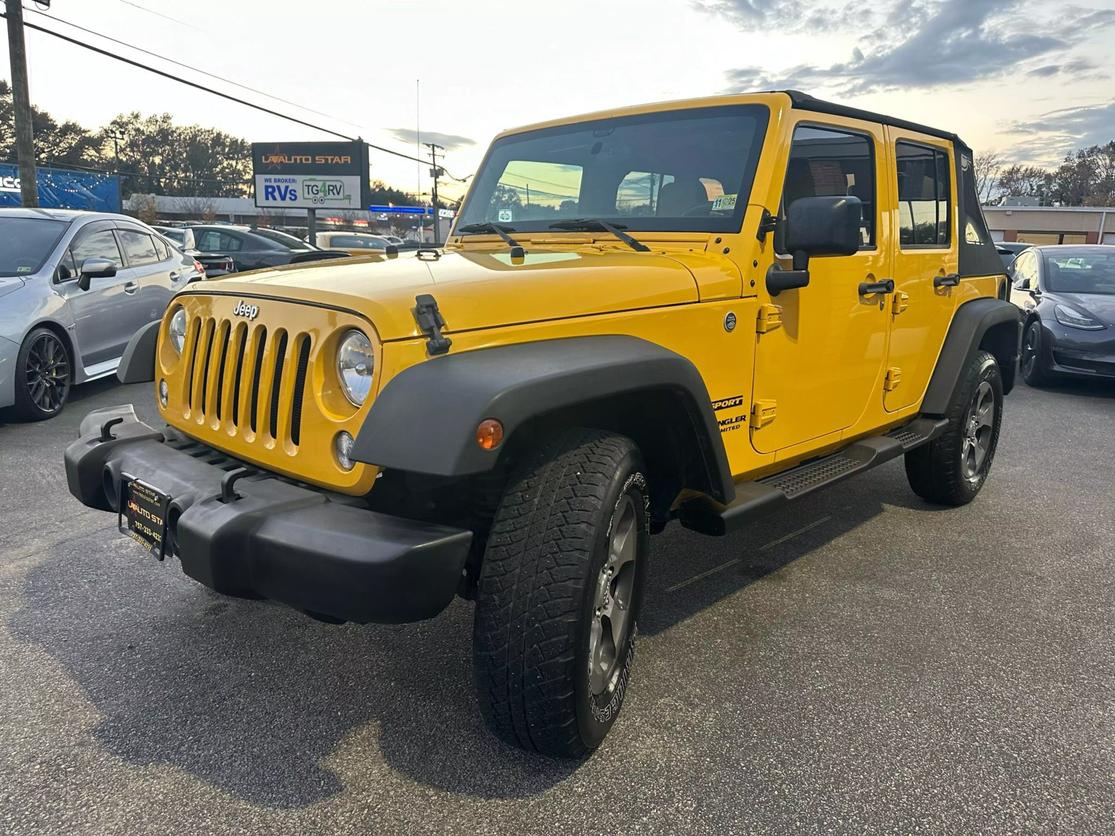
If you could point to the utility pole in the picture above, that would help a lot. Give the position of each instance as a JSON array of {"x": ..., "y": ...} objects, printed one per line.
[
  {"x": 21, "y": 99},
  {"x": 435, "y": 172}
]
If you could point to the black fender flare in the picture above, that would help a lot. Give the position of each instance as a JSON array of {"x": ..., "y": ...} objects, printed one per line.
[
  {"x": 138, "y": 363},
  {"x": 424, "y": 420},
  {"x": 981, "y": 324}
]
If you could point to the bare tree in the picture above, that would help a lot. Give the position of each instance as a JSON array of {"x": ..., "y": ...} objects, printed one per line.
[
  {"x": 144, "y": 208},
  {"x": 988, "y": 166},
  {"x": 200, "y": 207}
]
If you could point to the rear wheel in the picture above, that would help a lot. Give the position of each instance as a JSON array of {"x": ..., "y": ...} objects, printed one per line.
[
  {"x": 1030, "y": 361},
  {"x": 559, "y": 594},
  {"x": 952, "y": 468},
  {"x": 44, "y": 373}
]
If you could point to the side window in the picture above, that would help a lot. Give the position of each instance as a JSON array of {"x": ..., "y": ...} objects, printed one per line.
[
  {"x": 1025, "y": 271},
  {"x": 67, "y": 268},
  {"x": 213, "y": 240},
  {"x": 97, "y": 245},
  {"x": 230, "y": 243},
  {"x": 139, "y": 247},
  {"x": 924, "y": 196},
  {"x": 161, "y": 248},
  {"x": 829, "y": 162}
]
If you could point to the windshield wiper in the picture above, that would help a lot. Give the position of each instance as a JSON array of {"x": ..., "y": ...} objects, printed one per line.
[
  {"x": 595, "y": 224},
  {"x": 486, "y": 228}
]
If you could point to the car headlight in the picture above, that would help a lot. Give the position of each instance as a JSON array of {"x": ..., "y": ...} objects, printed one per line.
[
  {"x": 354, "y": 366},
  {"x": 177, "y": 329},
  {"x": 1075, "y": 319}
]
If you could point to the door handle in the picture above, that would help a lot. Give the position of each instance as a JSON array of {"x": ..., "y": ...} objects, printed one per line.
[
  {"x": 131, "y": 287},
  {"x": 175, "y": 275},
  {"x": 884, "y": 286},
  {"x": 951, "y": 280}
]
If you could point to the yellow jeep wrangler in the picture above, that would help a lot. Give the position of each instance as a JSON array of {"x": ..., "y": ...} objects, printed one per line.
[{"x": 697, "y": 311}]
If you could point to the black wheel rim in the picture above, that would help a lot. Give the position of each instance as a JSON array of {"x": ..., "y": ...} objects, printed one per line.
[
  {"x": 1030, "y": 350},
  {"x": 48, "y": 373},
  {"x": 612, "y": 603}
]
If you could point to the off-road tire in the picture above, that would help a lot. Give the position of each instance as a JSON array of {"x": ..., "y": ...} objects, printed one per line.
[
  {"x": 936, "y": 470},
  {"x": 547, "y": 551},
  {"x": 28, "y": 399},
  {"x": 1032, "y": 372}
]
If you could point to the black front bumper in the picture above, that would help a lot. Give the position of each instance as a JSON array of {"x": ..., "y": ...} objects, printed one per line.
[{"x": 275, "y": 539}]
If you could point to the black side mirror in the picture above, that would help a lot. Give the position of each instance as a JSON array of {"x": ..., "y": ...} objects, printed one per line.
[
  {"x": 816, "y": 226},
  {"x": 95, "y": 268}
]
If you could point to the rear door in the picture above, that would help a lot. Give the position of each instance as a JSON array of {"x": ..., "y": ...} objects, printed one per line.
[
  {"x": 817, "y": 373},
  {"x": 94, "y": 311},
  {"x": 152, "y": 272},
  {"x": 925, "y": 227}
]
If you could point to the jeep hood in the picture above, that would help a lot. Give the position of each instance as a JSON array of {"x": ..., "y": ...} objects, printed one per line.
[{"x": 476, "y": 289}]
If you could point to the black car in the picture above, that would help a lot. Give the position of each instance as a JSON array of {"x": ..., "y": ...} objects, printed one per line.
[
  {"x": 251, "y": 248},
  {"x": 1008, "y": 250},
  {"x": 1067, "y": 297}
]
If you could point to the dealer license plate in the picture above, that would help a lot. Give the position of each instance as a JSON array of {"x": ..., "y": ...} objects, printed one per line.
[{"x": 143, "y": 515}]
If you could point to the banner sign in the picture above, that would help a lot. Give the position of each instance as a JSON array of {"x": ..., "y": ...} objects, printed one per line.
[
  {"x": 310, "y": 175},
  {"x": 402, "y": 210},
  {"x": 63, "y": 189}
]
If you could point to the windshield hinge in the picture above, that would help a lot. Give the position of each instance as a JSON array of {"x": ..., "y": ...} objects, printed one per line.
[
  {"x": 770, "y": 318},
  {"x": 430, "y": 322},
  {"x": 767, "y": 223}
]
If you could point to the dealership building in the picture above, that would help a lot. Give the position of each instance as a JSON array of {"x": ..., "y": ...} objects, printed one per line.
[{"x": 1052, "y": 224}]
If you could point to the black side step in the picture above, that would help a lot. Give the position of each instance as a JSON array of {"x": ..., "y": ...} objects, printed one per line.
[{"x": 762, "y": 495}]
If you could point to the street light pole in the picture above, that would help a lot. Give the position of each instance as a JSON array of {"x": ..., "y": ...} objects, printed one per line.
[{"x": 21, "y": 100}]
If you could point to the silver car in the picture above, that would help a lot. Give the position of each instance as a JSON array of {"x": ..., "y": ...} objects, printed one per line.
[{"x": 74, "y": 287}]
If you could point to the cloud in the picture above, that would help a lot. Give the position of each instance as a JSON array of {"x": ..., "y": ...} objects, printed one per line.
[
  {"x": 1071, "y": 127},
  {"x": 947, "y": 42},
  {"x": 447, "y": 141},
  {"x": 1075, "y": 67}
]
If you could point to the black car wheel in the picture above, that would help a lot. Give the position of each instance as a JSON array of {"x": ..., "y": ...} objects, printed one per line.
[
  {"x": 952, "y": 468},
  {"x": 1030, "y": 359},
  {"x": 559, "y": 594},
  {"x": 44, "y": 375}
]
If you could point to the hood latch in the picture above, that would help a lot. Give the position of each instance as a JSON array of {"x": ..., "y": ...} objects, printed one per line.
[{"x": 430, "y": 322}]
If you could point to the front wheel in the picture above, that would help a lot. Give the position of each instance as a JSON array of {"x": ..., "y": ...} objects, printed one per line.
[
  {"x": 559, "y": 594},
  {"x": 1030, "y": 361},
  {"x": 952, "y": 468},
  {"x": 44, "y": 374}
]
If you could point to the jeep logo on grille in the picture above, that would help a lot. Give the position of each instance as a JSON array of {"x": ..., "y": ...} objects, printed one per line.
[{"x": 244, "y": 309}]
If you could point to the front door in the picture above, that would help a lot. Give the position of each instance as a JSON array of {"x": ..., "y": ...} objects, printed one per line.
[
  {"x": 96, "y": 310},
  {"x": 817, "y": 373},
  {"x": 925, "y": 263}
]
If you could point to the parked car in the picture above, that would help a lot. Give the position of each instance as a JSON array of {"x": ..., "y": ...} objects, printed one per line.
[
  {"x": 251, "y": 248},
  {"x": 74, "y": 287},
  {"x": 1009, "y": 250},
  {"x": 353, "y": 243},
  {"x": 511, "y": 417},
  {"x": 212, "y": 265},
  {"x": 1067, "y": 297}
]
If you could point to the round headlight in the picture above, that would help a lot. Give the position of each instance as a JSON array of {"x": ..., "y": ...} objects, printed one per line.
[
  {"x": 177, "y": 329},
  {"x": 354, "y": 366}
]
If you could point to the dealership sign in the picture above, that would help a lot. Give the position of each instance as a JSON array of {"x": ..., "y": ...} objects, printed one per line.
[{"x": 311, "y": 175}]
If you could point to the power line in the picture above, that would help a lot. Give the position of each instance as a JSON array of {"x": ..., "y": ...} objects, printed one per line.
[
  {"x": 159, "y": 14},
  {"x": 223, "y": 95},
  {"x": 191, "y": 67}
]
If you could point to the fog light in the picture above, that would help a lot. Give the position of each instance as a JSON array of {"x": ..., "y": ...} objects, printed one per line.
[
  {"x": 342, "y": 449},
  {"x": 489, "y": 433},
  {"x": 164, "y": 392}
]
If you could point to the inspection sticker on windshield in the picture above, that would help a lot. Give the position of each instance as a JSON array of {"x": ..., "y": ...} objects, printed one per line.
[{"x": 724, "y": 202}]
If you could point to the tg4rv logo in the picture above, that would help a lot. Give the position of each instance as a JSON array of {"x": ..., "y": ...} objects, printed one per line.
[{"x": 245, "y": 310}]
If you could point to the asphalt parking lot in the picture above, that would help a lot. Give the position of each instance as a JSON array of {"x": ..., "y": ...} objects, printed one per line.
[{"x": 866, "y": 663}]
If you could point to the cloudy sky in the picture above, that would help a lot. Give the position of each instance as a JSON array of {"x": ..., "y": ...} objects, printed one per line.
[{"x": 1029, "y": 78}]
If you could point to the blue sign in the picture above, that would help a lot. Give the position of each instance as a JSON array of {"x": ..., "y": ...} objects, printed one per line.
[
  {"x": 402, "y": 210},
  {"x": 64, "y": 189}
]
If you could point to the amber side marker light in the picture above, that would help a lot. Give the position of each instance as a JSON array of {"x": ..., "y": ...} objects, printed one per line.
[{"x": 489, "y": 433}]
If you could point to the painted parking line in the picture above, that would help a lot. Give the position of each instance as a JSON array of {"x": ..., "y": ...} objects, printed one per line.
[{"x": 794, "y": 534}]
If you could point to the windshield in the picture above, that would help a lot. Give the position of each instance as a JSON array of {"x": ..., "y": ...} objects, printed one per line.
[
  {"x": 26, "y": 243},
  {"x": 680, "y": 170},
  {"x": 288, "y": 241},
  {"x": 1070, "y": 270}
]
